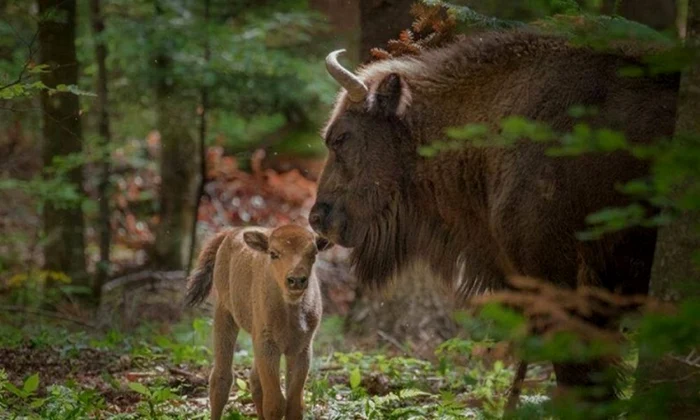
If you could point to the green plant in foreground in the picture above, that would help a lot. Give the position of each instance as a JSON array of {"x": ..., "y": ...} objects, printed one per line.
[
  {"x": 61, "y": 402},
  {"x": 19, "y": 400},
  {"x": 154, "y": 399}
]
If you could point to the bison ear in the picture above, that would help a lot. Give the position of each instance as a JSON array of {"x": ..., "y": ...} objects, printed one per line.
[
  {"x": 256, "y": 240},
  {"x": 391, "y": 96},
  {"x": 323, "y": 244}
]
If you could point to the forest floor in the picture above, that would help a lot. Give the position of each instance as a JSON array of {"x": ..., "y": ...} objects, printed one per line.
[{"x": 159, "y": 370}]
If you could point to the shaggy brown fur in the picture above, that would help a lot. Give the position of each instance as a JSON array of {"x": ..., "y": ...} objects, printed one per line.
[
  {"x": 264, "y": 284},
  {"x": 479, "y": 215}
]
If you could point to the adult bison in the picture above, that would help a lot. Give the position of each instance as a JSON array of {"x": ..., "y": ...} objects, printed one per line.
[{"x": 482, "y": 214}]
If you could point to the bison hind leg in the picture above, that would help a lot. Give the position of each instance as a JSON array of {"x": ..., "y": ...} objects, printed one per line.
[{"x": 628, "y": 269}]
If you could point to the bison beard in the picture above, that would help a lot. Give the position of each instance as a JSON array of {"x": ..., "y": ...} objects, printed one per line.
[{"x": 404, "y": 236}]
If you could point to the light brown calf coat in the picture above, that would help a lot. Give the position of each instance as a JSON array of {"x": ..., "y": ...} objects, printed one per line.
[{"x": 263, "y": 283}]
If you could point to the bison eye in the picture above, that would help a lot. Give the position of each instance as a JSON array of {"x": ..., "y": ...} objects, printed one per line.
[
  {"x": 274, "y": 255},
  {"x": 336, "y": 142}
]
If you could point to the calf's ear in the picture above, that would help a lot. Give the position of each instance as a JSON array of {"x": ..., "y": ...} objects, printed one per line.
[
  {"x": 256, "y": 240},
  {"x": 323, "y": 244},
  {"x": 391, "y": 97}
]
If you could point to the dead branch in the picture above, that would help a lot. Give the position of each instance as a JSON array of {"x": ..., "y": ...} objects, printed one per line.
[
  {"x": 391, "y": 340},
  {"x": 681, "y": 379},
  {"x": 143, "y": 278},
  {"x": 327, "y": 368},
  {"x": 47, "y": 314},
  {"x": 692, "y": 359},
  {"x": 516, "y": 386},
  {"x": 432, "y": 27},
  {"x": 193, "y": 377},
  {"x": 549, "y": 309}
]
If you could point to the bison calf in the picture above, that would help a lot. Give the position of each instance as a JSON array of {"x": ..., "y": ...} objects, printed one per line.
[{"x": 264, "y": 284}]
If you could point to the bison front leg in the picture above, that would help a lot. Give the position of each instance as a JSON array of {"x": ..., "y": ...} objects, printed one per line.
[
  {"x": 221, "y": 378},
  {"x": 297, "y": 371},
  {"x": 267, "y": 366}
]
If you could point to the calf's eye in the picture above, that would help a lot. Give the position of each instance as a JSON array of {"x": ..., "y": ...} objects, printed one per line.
[{"x": 274, "y": 255}]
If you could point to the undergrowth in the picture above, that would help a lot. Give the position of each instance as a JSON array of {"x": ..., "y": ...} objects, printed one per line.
[{"x": 160, "y": 371}]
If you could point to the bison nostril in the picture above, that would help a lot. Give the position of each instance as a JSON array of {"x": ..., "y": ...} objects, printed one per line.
[
  {"x": 302, "y": 281},
  {"x": 314, "y": 219},
  {"x": 290, "y": 281},
  {"x": 318, "y": 214}
]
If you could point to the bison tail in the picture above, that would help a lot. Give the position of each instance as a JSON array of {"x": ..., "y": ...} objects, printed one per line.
[{"x": 200, "y": 281}]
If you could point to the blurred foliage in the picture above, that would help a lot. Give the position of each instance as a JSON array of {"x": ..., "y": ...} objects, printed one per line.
[
  {"x": 267, "y": 87},
  {"x": 264, "y": 65},
  {"x": 265, "y": 69},
  {"x": 653, "y": 335}
]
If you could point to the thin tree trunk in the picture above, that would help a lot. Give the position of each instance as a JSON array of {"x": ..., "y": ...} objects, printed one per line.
[
  {"x": 64, "y": 248},
  {"x": 202, "y": 140},
  {"x": 675, "y": 275},
  {"x": 178, "y": 165},
  {"x": 104, "y": 226},
  {"x": 344, "y": 19}
]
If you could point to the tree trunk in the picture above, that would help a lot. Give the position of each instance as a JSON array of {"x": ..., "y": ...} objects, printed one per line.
[
  {"x": 344, "y": 19},
  {"x": 64, "y": 248},
  {"x": 179, "y": 166},
  {"x": 204, "y": 97},
  {"x": 658, "y": 14},
  {"x": 380, "y": 21},
  {"x": 674, "y": 274},
  {"x": 104, "y": 226}
]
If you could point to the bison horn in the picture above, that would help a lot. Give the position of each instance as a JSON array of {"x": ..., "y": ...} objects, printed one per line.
[{"x": 355, "y": 87}]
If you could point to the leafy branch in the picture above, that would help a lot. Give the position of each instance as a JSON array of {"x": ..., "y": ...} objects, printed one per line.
[{"x": 27, "y": 63}]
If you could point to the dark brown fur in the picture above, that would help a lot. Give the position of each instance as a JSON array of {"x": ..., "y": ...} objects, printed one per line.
[{"x": 479, "y": 215}]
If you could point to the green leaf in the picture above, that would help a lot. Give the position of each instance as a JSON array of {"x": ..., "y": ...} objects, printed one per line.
[
  {"x": 609, "y": 140},
  {"x": 355, "y": 378},
  {"x": 73, "y": 89},
  {"x": 13, "y": 389},
  {"x": 469, "y": 131},
  {"x": 139, "y": 387},
  {"x": 427, "y": 151},
  {"x": 631, "y": 71},
  {"x": 405, "y": 394},
  {"x": 37, "y": 403},
  {"x": 31, "y": 384},
  {"x": 39, "y": 68},
  {"x": 240, "y": 383},
  {"x": 577, "y": 111}
]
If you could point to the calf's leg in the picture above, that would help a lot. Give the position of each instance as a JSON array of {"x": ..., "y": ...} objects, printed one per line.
[
  {"x": 221, "y": 378},
  {"x": 256, "y": 391},
  {"x": 297, "y": 371},
  {"x": 267, "y": 366}
]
